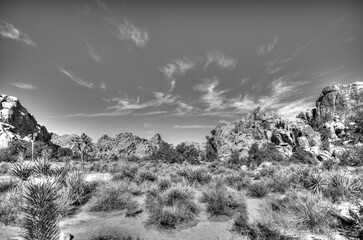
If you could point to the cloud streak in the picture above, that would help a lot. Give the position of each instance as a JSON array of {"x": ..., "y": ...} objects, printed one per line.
[
  {"x": 92, "y": 52},
  {"x": 23, "y": 85},
  {"x": 220, "y": 60},
  {"x": 130, "y": 32},
  {"x": 8, "y": 30},
  {"x": 76, "y": 79},
  {"x": 263, "y": 50}
]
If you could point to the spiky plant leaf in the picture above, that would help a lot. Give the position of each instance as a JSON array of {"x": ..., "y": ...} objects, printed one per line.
[
  {"x": 22, "y": 170},
  {"x": 42, "y": 166},
  {"x": 316, "y": 182},
  {"x": 40, "y": 210}
]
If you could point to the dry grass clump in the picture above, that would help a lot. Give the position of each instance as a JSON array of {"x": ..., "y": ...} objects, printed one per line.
[
  {"x": 170, "y": 207},
  {"x": 237, "y": 180},
  {"x": 258, "y": 189},
  {"x": 145, "y": 175},
  {"x": 300, "y": 211},
  {"x": 112, "y": 197},
  {"x": 10, "y": 203},
  {"x": 125, "y": 172},
  {"x": 195, "y": 174},
  {"x": 219, "y": 201}
]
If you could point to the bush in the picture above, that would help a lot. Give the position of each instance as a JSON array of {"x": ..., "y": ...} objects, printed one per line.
[
  {"x": 126, "y": 172},
  {"x": 112, "y": 237},
  {"x": 6, "y": 185},
  {"x": 219, "y": 201},
  {"x": 237, "y": 180},
  {"x": 187, "y": 153},
  {"x": 111, "y": 198},
  {"x": 353, "y": 157},
  {"x": 301, "y": 211},
  {"x": 339, "y": 187},
  {"x": 166, "y": 153},
  {"x": 301, "y": 156},
  {"x": 267, "y": 153},
  {"x": 171, "y": 207},
  {"x": 10, "y": 203},
  {"x": 258, "y": 189},
  {"x": 146, "y": 175},
  {"x": 195, "y": 175}
]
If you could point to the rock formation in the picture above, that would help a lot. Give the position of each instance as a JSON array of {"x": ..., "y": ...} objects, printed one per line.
[
  {"x": 16, "y": 123},
  {"x": 64, "y": 140},
  {"x": 264, "y": 127},
  {"x": 127, "y": 144}
]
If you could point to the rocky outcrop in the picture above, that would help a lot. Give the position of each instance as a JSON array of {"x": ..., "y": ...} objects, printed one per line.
[
  {"x": 17, "y": 124},
  {"x": 127, "y": 144},
  {"x": 64, "y": 140},
  {"x": 335, "y": 102},
  {"x": 264, "y": 127}
]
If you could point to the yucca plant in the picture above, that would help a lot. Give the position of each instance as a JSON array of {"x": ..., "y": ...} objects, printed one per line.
[
  {"x": 79, "y": 191},
  {"x": 316, "y": 182},
  {"x": 42, "y": 166},
  {"x": 22, "y": 170},
  {"x": 339, "y": 188},
  {"x": 40, "y": 210}
]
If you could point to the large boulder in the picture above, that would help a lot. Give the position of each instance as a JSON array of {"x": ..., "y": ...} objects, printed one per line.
[
  {"x": 127, "y": 144},
  {"x": 16, "y": 123}
]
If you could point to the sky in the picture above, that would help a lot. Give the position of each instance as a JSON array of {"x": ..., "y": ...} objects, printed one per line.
[{"x": 173, "y": 67}]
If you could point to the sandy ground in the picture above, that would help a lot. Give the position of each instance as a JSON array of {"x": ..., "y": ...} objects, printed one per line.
[{"x": 85, "y": 224}]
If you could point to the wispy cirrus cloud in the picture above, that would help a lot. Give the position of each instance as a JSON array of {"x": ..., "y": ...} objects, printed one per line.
[
  {"x": 178, "y": 67},
  {"x": 192, "y": 126},
  {"x": 266, "y": 49},
  {"x": 92, "y": 52},
  {"x": 221, "y": 60},
  {"x": 8, "y": 30},
  {"x": 103, "y": 5},
  {"x": 76, "y": 79},
  {"x": 181, "y": 66},
  {"x": 24, "y": 85},
  {"x": 212, "y": 97},
  {"x": 127, "y": 31}
]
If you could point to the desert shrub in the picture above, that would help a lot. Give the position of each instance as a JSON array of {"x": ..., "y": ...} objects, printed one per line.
[
  {"x": 10, "y": 203},
  {"x": 267, "y": 153},
  {"x": 258, "y": 189},
  {"x": 302, "y": 211},
  {"x": 126, "y": 172},
  {"x": 112, "y": 197},
  {"x": 40, "y": 210},
  {"x": 219, "y": 201},
  {"x": 171, "y": 207},
  {"x": 77, "y": 190},
  {"x": 352, "y": 157},
  {"x": 6, "y": 156},
  {"x": 64, "y": 152},
  {"x": 187, "y": 153},
  {"x": 301, "y": 156},
  {"x": 237, "y": 180},
  {"x": 163, "y": 184},
  {"x": 195, "y": 175},
  {"x": 42, "y": 166},
  {"x": 281, "y": 181},
  {"x": 166, "y": 153},
  {"x": 145, "y": 175}
]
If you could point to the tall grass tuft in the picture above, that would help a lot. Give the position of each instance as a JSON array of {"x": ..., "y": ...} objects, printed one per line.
[{"x": 40, "y": 210}]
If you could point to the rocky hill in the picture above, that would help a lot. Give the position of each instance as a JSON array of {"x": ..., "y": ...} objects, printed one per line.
[
  {"x": 63, "y": 140},
  {"x": 127, "y": 144},
  {"x": 333, "y": 108},
  {"x": 17, "y": 123}
]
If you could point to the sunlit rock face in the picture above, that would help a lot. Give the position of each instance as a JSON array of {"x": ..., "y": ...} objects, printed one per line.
[
  {"x": 127, "y": 144},
  {"x": 336, "y": 102},
  {"x": 63, "y": 140},
  {"x": 263, "y": 127},
  {"x": 17, "y": 123}
]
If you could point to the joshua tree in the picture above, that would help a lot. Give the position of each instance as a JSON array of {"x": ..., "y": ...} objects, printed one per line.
[{"x": 83, "y": 145}]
